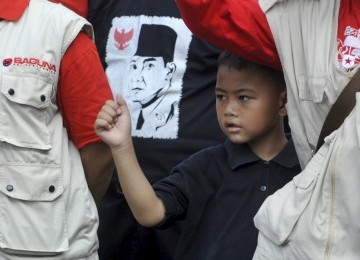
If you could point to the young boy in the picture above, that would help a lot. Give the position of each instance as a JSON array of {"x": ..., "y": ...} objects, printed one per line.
[
  {"x": 317, "y": 43},
  {"x": 215, "y": 193}
]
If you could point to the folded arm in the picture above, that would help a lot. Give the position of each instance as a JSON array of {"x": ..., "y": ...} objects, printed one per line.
[{"x": 238, "y": 26}]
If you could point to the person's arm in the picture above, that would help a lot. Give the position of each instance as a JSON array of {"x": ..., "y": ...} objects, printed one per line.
[
  {"x": 82, "y": 90},
  {"x": 238, "y": 26},
  {"x": 114, "y": 127},
  {"x": 98, "y": 166}
]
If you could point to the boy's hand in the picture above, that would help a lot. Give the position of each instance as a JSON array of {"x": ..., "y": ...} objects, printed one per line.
[{"x": 113, "y": 123}]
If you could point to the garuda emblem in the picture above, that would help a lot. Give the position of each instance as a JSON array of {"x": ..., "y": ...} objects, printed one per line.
[{"x": 122, "y": 38}]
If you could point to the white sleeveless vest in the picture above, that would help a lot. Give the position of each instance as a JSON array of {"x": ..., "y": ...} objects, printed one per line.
[
  {"x": 45, "y": 206},
  {"x": 305, "y": 33},
  {"x": 316, "y": 216}
]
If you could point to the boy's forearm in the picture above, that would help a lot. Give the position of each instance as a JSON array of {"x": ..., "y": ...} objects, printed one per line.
[{"x": 147, "y": 208}]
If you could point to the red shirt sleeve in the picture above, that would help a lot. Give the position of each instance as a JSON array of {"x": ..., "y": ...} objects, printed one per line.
[
  {"x": 238, "y": 26},
  {"x": 82, "y": 90}
]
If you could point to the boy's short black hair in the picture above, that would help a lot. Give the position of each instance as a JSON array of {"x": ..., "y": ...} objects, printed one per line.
[{"x": 232, "y": 61}]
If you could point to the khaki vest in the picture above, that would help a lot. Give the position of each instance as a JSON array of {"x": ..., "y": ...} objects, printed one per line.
[
  {"x": 305, "y": 33},
  {"x": 315, "y": 216},
  {"x": 46, "y": 208}
]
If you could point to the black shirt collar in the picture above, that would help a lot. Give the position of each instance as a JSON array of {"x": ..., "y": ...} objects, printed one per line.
[{"x": 241, "y": 154}]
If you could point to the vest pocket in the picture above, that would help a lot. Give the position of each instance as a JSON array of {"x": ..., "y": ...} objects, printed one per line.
[
  {"x": 313, "y": 105},
  {"x": 32, "y": 210},
  {"x": 312, "y": 88},
  {"x": 24, "y": 105}
]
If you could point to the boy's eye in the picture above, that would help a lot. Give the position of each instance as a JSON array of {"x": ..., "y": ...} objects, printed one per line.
[
  {"x": 220, "y": 97},
  {"x": 244, "y": 98}
]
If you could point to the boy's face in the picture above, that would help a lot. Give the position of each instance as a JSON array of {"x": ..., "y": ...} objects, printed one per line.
[{"x": 249, "y": 108}]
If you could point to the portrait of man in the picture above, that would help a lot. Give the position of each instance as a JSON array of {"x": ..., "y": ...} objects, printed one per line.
[
  {"x": 146, "y": 59},
  {"x": 151, "y": 70}
]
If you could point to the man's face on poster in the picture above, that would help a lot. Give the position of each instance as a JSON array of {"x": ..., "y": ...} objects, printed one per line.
[{"x": 148, "y": 76}]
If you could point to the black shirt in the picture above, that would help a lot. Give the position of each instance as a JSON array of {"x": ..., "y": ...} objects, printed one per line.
[
  {"x": 197, "y": 126},
  {"x": 215, "y": 194}
]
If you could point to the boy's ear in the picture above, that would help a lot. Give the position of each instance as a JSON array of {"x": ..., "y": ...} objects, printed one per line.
[{"x": 283, "y": 101}]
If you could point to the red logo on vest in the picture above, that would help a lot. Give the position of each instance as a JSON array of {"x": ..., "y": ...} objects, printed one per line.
[
  {"x": 7, "y": 62},
  {"x": 19, "y": 61}
]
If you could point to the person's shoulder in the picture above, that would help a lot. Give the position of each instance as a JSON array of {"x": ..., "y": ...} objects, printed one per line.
[
  {"x": 55, "y": 9},
  {"x": 78, "y": 6},
  {"x": 81, "y": 44},
  {"x": 205, "y": 165},
  {"x": 81, "y": 51},
  {"x": 208, "y": 155},
  {"x": 57, "y": 17},
  {"x": 288, "y": 156}
]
